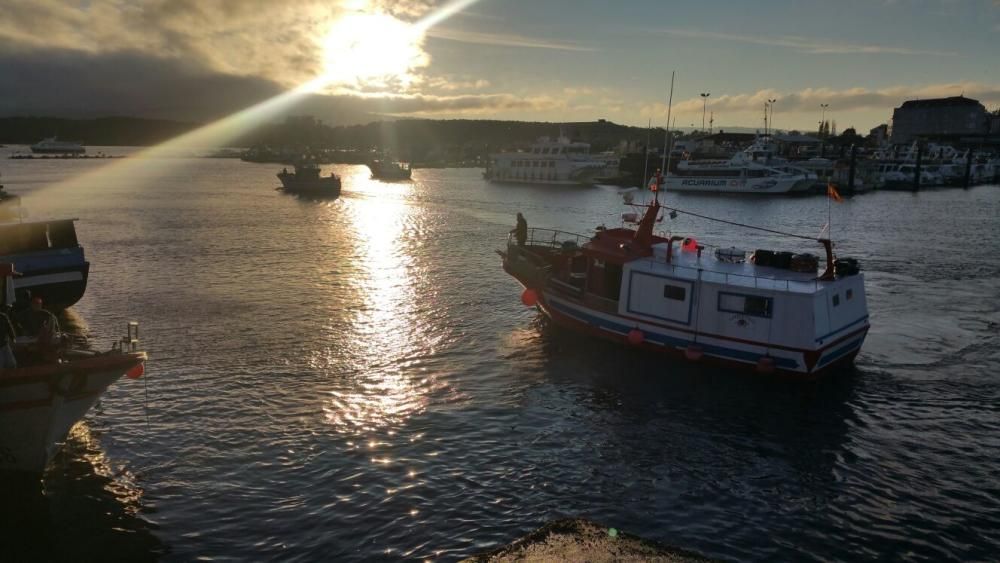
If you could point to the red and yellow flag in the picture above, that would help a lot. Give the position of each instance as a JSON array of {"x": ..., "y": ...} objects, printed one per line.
[{"x": 832, "y": 192}]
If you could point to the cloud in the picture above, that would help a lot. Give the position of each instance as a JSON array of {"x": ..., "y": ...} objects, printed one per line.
[
  {"x": 504, "y": 40},
  {"x": 850, "y": 99},
  {"x": 809, "y": 45}
]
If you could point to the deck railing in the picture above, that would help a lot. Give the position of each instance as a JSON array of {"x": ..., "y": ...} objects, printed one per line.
[{"x": 549, "y": 237}]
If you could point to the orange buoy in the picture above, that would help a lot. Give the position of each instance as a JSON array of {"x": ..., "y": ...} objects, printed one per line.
[
  {"x": 765, "y": 365},
  {"x": 636, "y": 337},
  {"x": 136, "y": 372},
  {"x": 529, "y": 297},
  {"x": 693, "y": 352}
]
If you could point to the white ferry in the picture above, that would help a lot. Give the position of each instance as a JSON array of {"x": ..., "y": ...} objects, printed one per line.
[
  {"x": 754, "y": 170},
  {"x": 773, "y": 312},
  {"x": 549, "y": 161},
  {"x": 53, "y": 145}
]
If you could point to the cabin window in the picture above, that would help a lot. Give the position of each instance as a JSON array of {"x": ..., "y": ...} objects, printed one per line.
[
  {"x": 753, "y": 305},
  {"x": 836, "y": 299},
  {"x": 674, "y": 292},
  {"x": 849, "y": 294}
]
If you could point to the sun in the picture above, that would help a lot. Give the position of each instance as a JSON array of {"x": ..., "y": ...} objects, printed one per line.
[{"x": 372, "y": 52}]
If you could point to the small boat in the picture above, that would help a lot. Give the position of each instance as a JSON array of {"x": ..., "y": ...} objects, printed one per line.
[
  {"x": 46, "y": 253},
  {"x": 52, "y": 145},
  {"x": 766, "y": 311},
  {"x": 51, "y": 389},
  {"x": 389, "y": 170},
  {"x": 306, "y": 180}
]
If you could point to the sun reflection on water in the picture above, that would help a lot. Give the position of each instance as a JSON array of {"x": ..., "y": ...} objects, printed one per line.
[{"x": 387, "y": 383}]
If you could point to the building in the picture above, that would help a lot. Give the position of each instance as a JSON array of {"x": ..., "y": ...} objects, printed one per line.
[
  {"x": 939, "y": 119},
  {"x": 879, "y": 135}
]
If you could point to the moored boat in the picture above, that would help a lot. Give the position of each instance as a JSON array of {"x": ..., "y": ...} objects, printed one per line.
[
  {"x": 52, "y": 145},
  {"x": 771, "y": 312},
  {"x": 550, "y": 161},
  {"x": 306, "y": 180},
  {"x": 46, "y": 253},
  {"x": 51, "y": 389}
]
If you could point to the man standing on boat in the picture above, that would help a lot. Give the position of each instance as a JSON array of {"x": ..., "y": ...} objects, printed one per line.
[{"x": 521, "y": 230}]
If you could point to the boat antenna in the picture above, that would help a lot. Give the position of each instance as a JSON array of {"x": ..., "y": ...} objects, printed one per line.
[{"x": 667, "y": 141}]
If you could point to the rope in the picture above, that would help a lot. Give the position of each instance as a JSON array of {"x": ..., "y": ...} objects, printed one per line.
[{"x": 766, "y": 230}]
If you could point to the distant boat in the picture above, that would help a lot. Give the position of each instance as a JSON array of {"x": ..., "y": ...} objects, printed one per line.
[
  {"x": 754, "y": 170},
  {"x": 548, "y": 161},
  {"x": 306, "y": 180},
  {"x": 55, "y": 146},
  {"x": 389, "y": 170}
]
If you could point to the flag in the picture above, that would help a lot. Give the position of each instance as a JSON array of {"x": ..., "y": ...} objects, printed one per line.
[
  {"x": 656, "y": 181},
  {"x": 832, "y": 192}
]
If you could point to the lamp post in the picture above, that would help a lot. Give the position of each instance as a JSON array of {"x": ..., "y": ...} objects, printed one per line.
[
  {"x": 822, "y": 119},
  {"x": 704, "y": 106},
  {"x": 770, "y": 104}
]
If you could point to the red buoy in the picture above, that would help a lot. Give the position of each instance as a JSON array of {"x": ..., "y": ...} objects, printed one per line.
[
  {"x": 690, "y": 245},
  {"x": 636, "y": 337},
  {"x": 136, "y": 372},
  {"x": 693, "y": 352},
  {"x": 765, "y": 365},
  {"x": 529, "y": 297}
]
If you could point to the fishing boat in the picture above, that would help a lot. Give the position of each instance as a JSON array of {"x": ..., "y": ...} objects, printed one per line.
[
  {"x": 306, "y": 180},
  {"x": 390, "y": 170},
  {"x": 46, "y": 253},
  {"x": 52, "y": 145},
  {"x": 765, "y": 311},
  {"x": 52, "y": 388}
]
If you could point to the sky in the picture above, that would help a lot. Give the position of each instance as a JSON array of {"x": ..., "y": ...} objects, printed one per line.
[{"x": 544, "y": 60}]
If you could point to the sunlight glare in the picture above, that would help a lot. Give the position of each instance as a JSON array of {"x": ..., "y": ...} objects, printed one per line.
[{"x": 372, "y": 50}]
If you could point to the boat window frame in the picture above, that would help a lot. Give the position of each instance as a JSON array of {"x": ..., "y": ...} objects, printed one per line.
[{"x": 767, "y": 313}]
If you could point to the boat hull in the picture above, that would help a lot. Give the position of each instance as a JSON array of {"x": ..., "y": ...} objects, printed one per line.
[
  {"x": 326, "y": 187},
  {"x": 765, "y": 185},
  {"x": 40, "y": 404}
]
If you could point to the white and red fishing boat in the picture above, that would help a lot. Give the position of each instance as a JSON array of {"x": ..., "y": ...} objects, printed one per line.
[
  {"x": 51, "y": 389},
  {"x": 766, "y": 311}
]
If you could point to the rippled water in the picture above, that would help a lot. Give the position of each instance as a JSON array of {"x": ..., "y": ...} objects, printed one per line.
[{"x": 356, "y": 379}]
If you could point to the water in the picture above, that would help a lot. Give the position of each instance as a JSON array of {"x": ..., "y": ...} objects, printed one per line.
[{"x": 356, "y": 380}]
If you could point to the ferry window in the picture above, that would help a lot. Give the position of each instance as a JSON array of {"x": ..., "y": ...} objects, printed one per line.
[
  {"x": 836, "y": 299},
  {"x": 753, "y": 305},
  {"x": 674, "y": 292},
  {"x": 849, "y": 294}
]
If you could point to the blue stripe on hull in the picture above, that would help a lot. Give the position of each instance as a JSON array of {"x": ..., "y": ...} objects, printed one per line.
[
  {"x": 840, "y": 352},
  {"x": 664, "y": 340}
]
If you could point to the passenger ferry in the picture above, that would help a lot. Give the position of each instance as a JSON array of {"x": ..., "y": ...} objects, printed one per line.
[
  {"x": 768, "y": 312},
  {"x": 548, "y": 161},
  {"x": 53, "y": 145},
  {"x": 754, "y": 170}
]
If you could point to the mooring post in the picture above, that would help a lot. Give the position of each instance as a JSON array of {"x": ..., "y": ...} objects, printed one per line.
[
  {"x": 854, "y": 165},
  {"x": 916, "y": 171}
]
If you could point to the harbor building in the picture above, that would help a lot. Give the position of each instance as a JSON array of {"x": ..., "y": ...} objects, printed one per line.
[{"x": 939, "y": 119}]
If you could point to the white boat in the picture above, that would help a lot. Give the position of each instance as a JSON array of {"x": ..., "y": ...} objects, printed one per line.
[
  {"x": 52, "y": 145},
  {"x": 773, "y": 313},
  {"x": 549, "y": 161},
  {"x": 746, "y": 172},
  {"x": 42, "y": 398}
]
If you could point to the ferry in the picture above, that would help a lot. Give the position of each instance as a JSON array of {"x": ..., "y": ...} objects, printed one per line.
[
  {"x": 306, "y": 180},
  {"x": 52, "y": 388},
  {"x": 52, "y": 145},
  {"x": 46, "y": 253},
  {"x": 769, "y": 312},
  {"x": 753, "y": 170},
  {"x": 550, "y": 161}
]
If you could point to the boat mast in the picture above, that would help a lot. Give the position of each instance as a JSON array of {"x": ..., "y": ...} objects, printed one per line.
[
  {"x": 645, "y": 153},
  {"x": 667, "y": 141}
]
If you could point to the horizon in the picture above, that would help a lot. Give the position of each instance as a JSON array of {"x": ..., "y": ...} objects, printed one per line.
[{"x": 475, "y": 59}]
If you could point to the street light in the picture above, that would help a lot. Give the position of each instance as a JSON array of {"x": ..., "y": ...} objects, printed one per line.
[
  {"x": 770, "y": 103},
  {"x": 822, "y": 119},
  {"x": 704, "y": 105}
]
